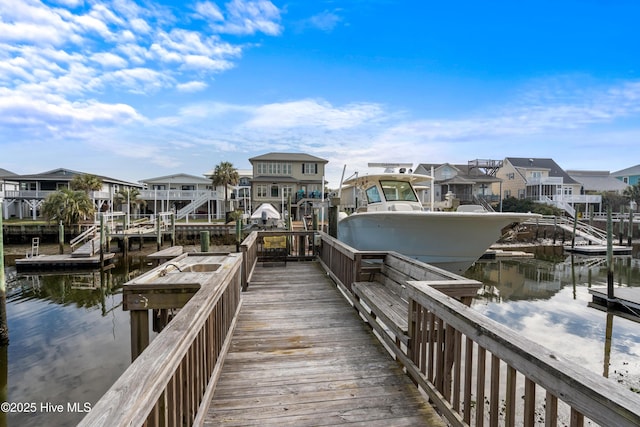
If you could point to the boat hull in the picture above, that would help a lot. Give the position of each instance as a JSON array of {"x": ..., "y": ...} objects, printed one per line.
[{"x": 449, "y": 240}]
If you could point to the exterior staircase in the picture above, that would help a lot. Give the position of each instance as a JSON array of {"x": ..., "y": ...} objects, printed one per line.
[{"x": 191, "y": 207}]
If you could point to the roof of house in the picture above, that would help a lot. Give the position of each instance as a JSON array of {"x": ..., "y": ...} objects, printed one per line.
[
  {"x": 62, "y": 174},
  {"x": 598, "y": 181},
  {"x": 633, "y": 170},
  {"x": 178, "y": 178},
  {"x": 6, "y": 174},
  {"x": 537, "y": 163},
  {"x": 292, "y": 157}
]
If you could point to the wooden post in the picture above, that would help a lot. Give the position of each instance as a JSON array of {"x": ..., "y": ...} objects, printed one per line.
[
  {"x": 555, "y": 226},
  {"x": 609, "y": 256},
  {"x": 630, "y": 227},
  {"x": 238, "y": 230},
  {"x": 60, "y": 238},
  {"x": 204, "y": 241},
  {"x": 158, "y": 232},
  {"x": 139, "y": 332},
  {"x": 573, "y": 234},
  {"x": 173, "y": 229},
  {"x": 102, "y": 235},
  {"x": 621, "y": 226},
  {"x": 333, "y": 217},
  {"x": 4, "y": 328}
]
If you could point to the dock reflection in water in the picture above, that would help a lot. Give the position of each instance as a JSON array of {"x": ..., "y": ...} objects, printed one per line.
[
  {"x": 69, "y": 341},
  {"x": 548, "y": 302}
]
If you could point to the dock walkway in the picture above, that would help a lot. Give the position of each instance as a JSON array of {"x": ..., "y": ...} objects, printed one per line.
[{"x": 301, "y": 356}]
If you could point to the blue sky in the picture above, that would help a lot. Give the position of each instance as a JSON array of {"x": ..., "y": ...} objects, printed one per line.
[{"x": 140, "y": 89}]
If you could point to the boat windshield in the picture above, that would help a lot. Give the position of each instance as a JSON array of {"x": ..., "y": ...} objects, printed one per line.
[
  {"x": 373, "y": 196},
  {"x": 398, "y": 190}
]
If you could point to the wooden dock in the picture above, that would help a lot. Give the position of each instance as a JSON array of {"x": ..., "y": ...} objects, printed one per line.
[
  {"x": 301, "y": 356},
  {"x": 61, "y": 261},
  {"x": 626, "y": 300},
  {"x": 596, "y": 250}
]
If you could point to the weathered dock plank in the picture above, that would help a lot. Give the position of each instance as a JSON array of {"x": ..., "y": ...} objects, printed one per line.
[{"x": 300, "y": 356}]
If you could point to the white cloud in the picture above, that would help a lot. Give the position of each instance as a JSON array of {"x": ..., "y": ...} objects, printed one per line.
[
  {"x": 325, "y": 21},
  {"x": 209, "y": 11},
  {"x": 109, "y": 60},
  {"x": 248, "y": 17},
  {"x": 311, "y": 113},
  {"x": 192, "y": 86}
]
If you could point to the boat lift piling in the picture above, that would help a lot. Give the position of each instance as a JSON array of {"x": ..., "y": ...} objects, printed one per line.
[{"x": 609, "y": 257}]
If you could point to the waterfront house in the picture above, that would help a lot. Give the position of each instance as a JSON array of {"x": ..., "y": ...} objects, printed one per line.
[
  {"x": 541, "y": 180},
  {"x": 280, "y": 176},
  {"x": 629, "y": 175},
  {"x": 472, "y": 183},
  {"x": 7, "y": 183},
  {"x": 25, "y": 198},
  {"x": 188, "y": 196}
]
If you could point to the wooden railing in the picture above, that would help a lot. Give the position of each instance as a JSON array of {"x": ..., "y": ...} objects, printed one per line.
[
  {"x": 172, "y": 381},
  {"x": 454, "y": 347},
  {"x": 249, "y": 249},
  {"x": 476, "y": 371}
]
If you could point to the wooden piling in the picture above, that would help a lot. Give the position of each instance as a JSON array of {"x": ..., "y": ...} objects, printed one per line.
[
  {"x": 630, "y": 227},
  {"x": 60, "y": 238},
  {"x": 4, "y": 328},
  {"x": 204, "y": 241},
  {"x": 609, "y": 256}
]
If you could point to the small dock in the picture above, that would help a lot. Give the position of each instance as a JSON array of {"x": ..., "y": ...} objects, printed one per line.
[
  {"x": 625, "y": 300},
  {"x": 62, "y": 261},
  {"x": 598, "y": 250},
  {"x": 307, "y": 357}
]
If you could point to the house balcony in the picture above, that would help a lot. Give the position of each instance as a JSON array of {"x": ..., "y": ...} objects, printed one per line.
[{"x": 545, "y": 180}]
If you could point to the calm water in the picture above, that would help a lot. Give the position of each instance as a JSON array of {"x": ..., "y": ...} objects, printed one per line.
[
  {"x": 69, "y": 341},
  {"x": 70, "y": 337},
  {"x": 547, "y": 300}
]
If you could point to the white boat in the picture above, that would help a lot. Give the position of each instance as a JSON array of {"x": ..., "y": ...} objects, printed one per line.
[
  {"x": 266, "y": 216},
  {"x": 395, "y": 220}
]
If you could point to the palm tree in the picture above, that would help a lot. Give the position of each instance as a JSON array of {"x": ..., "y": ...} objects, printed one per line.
[
  {"x": 86, "y": 182},
  {"x": 632, "y": 193},
  {"x": 67, "y": 206},
  {"x": 130, "y": 197},
  {"x": 225, "y": 174}
]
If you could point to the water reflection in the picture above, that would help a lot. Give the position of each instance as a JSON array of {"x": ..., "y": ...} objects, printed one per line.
[
  {"x": 69, "y": 339},
  {"x": 547, "y": 300}
]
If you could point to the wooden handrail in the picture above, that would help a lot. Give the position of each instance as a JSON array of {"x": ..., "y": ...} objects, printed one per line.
[
  {"x": 172, "y": 381},
  {"x": 441, "y": 330},
  {"x": 453, "y": 347}
]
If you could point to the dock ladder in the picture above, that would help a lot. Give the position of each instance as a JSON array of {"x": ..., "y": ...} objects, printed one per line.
[{"x": 35, "y": 247}]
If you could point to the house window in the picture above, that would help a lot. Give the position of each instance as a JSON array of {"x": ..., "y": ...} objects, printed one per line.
[
  {"x": 521, "y": 194},
  {"x": 309, "y": 168},
  {"x": 511, "y": 176},
  {"x": 274, "y": 191},
  {"x": 28, "y": 186},
  {"x": 261, "y": 190},
  {"x": 273, "y": 168},
  {"x": 625, "y": 179}
]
